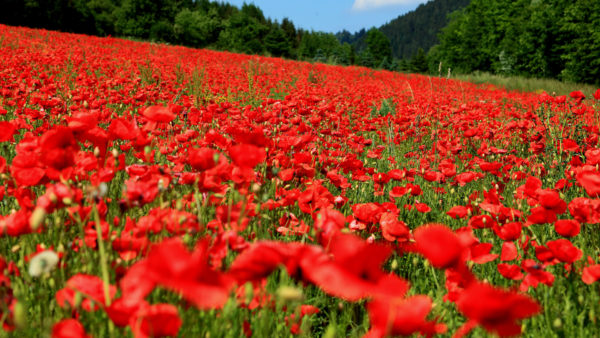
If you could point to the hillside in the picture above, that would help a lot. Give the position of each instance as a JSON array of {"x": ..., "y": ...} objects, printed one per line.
[{"x": 409, "y": 32}]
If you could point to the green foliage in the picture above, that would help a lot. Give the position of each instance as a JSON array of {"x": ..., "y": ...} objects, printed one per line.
[
  {"x": 102, "y": 12},
  {"x": 244, "y": 31},
  {"x": 386, "y": 108},
  {"x": 548, "y": 39},
  {"x": 419, "y": 63},
  {"x": 317, "y": 44},
  {"x": 196, "y": 29},
  {"x": 277, "y": 43},
  {"x": 379, "y": 46},
  {"x": 582, "y": 56}
]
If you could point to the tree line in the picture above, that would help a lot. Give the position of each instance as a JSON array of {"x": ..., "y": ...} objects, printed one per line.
[{"x": 533, "y": 38}]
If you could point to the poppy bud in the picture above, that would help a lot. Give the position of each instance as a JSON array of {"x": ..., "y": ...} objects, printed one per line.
[
  {"x": 289, "y": 293},
  {"x": 557, "y": 323},
  {"x": 330, "y": 332},
  {"x": 249, "y": 292},
  {"x": 77, "y": 299},
  {"x": 20, "y": 315},
  {"x": 37, "y": 217}
]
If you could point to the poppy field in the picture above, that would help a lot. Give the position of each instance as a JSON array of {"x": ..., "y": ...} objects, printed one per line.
[{"x": 150, "y": 190}]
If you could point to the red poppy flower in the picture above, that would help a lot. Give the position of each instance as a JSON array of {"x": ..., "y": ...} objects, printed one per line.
[
  {"x": 7, "y": 130},
  {"x": 121, "y": 310},
  {"x": 509, "y": 231},
  {"x": 160, "y": 320},
  {"x": 497, "y": 310},
  {"x": 170, "y": 265},
  {"x": 510, "y": 271},
  {"x": 122, "y": 129},
  {"x": 585, "y": 210},
  {"x": 58, "y": 147},
  {"x": 592, "y": 156},
  {"x": 590, "y": 181},
  {"x": 202, "y": 159},
  {"x": 158, "y": 114},
  {"x": 68, "y": 328},
  {"x": 90, "y": 286},
  {"x": 247, "y": 155},
  {"x": 591, "y": 274},
  {"x": 509, "y": 251},
  {"x": 541, "y": 215},
  {"x": 422, "y": 207},
  {"x": 564, "y": 250},
  {"x": 550, "y": 200},
  {"x": 577, "y": 95},
  {"x": 458, "y": 211},
  {"x": 439, "y": 245},
  {"x": 567, "y": 227},
  {"x": 355, "y": 271},
  {"x": 367, "y": 212},
  {"x": 393, "y": 317},
  {"x": 480, "y": 253},
  {"x": 392, "y": 229},
  {"x": 328, "y": 223},
  {"x": 482, "y": 222}
]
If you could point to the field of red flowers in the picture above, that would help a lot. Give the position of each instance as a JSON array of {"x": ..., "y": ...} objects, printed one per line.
[{"x": 150, "y": 190}]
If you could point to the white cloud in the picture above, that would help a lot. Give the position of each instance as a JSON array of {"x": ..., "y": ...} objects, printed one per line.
[{"x": 361, "y": 5}]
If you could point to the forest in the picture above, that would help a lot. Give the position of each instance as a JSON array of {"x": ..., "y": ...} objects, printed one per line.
[{"x": 531, "y": 38}]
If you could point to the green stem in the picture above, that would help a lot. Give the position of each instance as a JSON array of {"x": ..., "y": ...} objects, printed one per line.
[{"x": 103, "y": 264}]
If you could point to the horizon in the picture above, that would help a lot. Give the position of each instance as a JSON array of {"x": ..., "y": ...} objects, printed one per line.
[{"x": 333, "y": 16}]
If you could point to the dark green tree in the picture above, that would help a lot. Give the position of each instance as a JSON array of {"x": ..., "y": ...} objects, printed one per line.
[
  {"x": 136, "y": 17},
  {"x": 366, "y": 59},
  {"x": 103, "y": 13},
  {"x": 582, "y": 55},
  {"x": 379, "y": 46},
  {"x": 419, "y": 63},
  {"x": 196, "y": 29},
  {"x": 277, "y": 43},
  {"x": 244, "y": 31}
]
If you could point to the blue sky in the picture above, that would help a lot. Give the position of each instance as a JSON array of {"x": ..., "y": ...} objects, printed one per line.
[{"x": 334, "y": 15}]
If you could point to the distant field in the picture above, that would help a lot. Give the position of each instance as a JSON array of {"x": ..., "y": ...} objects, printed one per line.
[{"x": 528, "y": 84}]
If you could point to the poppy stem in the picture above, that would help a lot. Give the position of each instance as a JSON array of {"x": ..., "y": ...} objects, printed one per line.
[{"x": 103, "y": 264}]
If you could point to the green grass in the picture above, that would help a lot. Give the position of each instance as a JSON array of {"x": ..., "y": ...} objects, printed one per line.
[{"x": 527, "y": 84}]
